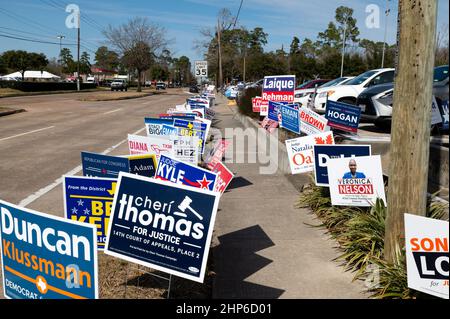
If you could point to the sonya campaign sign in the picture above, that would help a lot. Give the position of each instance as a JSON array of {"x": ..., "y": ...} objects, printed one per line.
[
  {"x": 311, "y": 122},
  {"x": 427, "y": 255},
  {"x": 162, "y": 225},
  {"x": 323, "y": 153},
  {"x": 172, "y": 170},
  {"x": 89, "y": 200},
  {"x": 356, "y": 181},
  {"x": 100, "y": 165},
  {"x": 279, "y": 88},
  {"x": 290, "y": 118},
  {"x": 343, "y": 116},
  {"x": 159, "y": 127},
  {"x": 300, "y": 151},
  {"x": 224, "y": 177},
  {"x": 46, "y": 257},
  {"x": 185, "y": 149}
]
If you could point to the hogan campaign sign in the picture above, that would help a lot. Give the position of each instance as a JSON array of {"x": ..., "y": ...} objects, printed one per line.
[
  {"x": 46, "y": 257},
  {"x": 343, "y": 116},
  {"x": 162, "y": 225}
]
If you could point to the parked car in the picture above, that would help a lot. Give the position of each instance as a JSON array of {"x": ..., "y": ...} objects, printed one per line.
[
  {"x": 148, "y": 83},
  {"x": 303, "y": 96},
  {"x": 312, "y": 84},
  {"x": 160, "y": 85},
  {"x": 194, "y": 89},
  {"x": 349, "y": 92},
  {"x": 119, "y": 84}
]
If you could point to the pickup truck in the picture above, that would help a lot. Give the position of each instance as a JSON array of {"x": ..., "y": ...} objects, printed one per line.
[{"x": 119, "y": 84}]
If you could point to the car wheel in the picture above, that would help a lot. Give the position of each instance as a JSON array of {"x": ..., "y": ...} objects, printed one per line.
[{"x": 126, "y": 89}]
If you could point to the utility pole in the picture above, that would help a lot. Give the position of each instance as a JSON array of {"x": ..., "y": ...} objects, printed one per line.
[
  {"x": 60, "y": 37},
  {"x": 343, "y": 48},
  {"x": 220, "y": 54},
  {"x": 78, "y": 53},
  {"x": 385, "y": 32},
  {"x": 410, "y": 134}
]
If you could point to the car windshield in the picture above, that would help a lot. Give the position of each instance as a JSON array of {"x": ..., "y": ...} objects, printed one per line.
[
  {"x": 332, "y": 82},
  {"x": 361, "y": 78},
  {"x": 304, "y": 85},
  {"x": 440, "y": 73}
]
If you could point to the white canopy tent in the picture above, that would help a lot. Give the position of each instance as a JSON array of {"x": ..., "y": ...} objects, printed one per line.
[{"x": 32, "y": 75}]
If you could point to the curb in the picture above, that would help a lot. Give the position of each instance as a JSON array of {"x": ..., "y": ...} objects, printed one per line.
[{"x": 4, "y": 113}]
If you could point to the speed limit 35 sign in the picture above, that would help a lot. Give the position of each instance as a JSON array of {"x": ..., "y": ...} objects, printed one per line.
[{"x": 201, "y": 68}]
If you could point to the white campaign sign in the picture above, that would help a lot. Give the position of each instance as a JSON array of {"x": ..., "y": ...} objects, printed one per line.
[
  {"x": 435, "y": 113},
  {"x": 427, "y": 258},
  {"x": 185, "y": 148},
  {"x": 138, "y": 144},
  {"x": 311, "y": 122},
  {"x": 201, "y": 68},
  {"x": 356, "y": 181},
  {"x": 160, "y": 146},
  {"x": 300, "y": 151}
]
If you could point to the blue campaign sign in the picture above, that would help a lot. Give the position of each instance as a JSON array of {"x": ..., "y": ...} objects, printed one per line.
[
  {"x": 89, "y": 200},
  {"x": 343, "y": 116},
  {"x": 192, "y": 128},
  {"x": 100, "y": 165},
  {"x": 46, "y": 257},
  {"x": 322, "y": 153},
  {"x": 155, "y": 126},
  {"x": 182, "y": 173},
  {"x": 274, "y": 110},
  {"x": 290, "y": 118},
  {"x": 144, "y": 165},
  {"x": 162, "y": 225}
]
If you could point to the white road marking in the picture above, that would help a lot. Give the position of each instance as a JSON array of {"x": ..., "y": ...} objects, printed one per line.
[
  {"x": 22, "y": 134},
  {"x": 74, "y": 171},
  {"x": 109, "y": 112}
]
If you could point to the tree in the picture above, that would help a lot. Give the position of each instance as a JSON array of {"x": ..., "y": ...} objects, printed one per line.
[
  {"x": 295, "y": 46},
  {"x": 106, "y": 59},
  {"x": 23, "y": 61},
  {"x": 138, "y": 41},
  {"x": 68, "y": 64},
  {"x": 85, "y": 64},
  {"x": 3, "y": 68},
  {"x": 374, "y": 51}
]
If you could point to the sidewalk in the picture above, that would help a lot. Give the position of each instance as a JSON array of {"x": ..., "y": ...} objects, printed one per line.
[{"x": 264, "y": 249}]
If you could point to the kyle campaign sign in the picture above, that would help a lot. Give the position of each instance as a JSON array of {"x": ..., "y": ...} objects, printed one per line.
[
  {"x": 290, "y": 118},
  {"x": 158, "y": 127},
  {"x": 356, "y": 181},
  {"x": 46, "y": 257},
  {"x": 100, "y": 165},
  {"x": 89, "y": 200},
  {"x": 311, "y": 122},
  {"x": 427, "y": 255},
  {"x": 343, "y": 116},
  {"x": 279, "y": 88},
  {"x": 162, "y": 225},
  {"x": 323, "y": 153},
  {"x": 224, "y": 177},
  {"x": 172, "y": 170},
  {"x": 300, "y": 151}
]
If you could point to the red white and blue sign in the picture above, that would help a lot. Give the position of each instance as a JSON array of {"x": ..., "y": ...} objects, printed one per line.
[
  {"x": 274, "y": 108},
  {"x": 100, "y": 165},
  {"x": 279, "y": 88},
  {"x": 172, "y": 170},
  {"x": 343, "y": 116},
  {"x": 192, "y": 128},
  {"x": 323, "y": 153},
  {"x": 162, "y": 225},
  {"x": 290, "y": 118}
]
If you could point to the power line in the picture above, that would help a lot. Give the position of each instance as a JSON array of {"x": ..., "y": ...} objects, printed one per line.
[{"x": 239, "y": 11}]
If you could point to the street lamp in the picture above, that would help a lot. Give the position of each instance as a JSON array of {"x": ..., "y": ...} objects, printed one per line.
[
  {"x": 385, "y": 32},
  {"x": 343, "y": 47},
  {"x": 60, "y": 37}
]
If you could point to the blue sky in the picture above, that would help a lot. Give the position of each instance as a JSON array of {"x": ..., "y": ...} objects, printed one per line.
[{"x": 182, "y": 19}]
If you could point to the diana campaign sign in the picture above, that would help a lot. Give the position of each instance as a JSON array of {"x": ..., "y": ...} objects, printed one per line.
[
  {"x": 89, "y": 200},
  {"x": 192, "y": 128},
  {"x": 158, "y": 127},
  {"x": 427, "y": 255},
  {"x": 162, "y": 225},
  {"x": 224, "y": 177},
  {"x": 300, "y": 151},
  {"x": 323, "y": 153},
  {"x": 343, "y": 116},
  {"x": 100, "y": 165},
  {"x": 185, "y": 149},
  {"x": 356, "y": 181},
  {"x": 279, "y": 88},
  {"x": 46, "y": 257},
  {"x": 311, "y": 122},
  {"x": 161, "y": 145},
  {"x": 290, "y": 118},
  {"x": 138, "y": 144},
  {"x": 172, "y": 170}
]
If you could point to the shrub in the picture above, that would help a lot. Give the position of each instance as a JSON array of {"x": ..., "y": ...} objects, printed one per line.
[{"x": 244, "y": 101}]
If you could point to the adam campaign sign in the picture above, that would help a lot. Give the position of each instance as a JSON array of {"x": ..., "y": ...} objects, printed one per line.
[
  {"x": 279, "y": 88},
  {"x": 427, "y": 255},
  {"x": 311, "y": 122},
  {"x": 162, "y": 225},
  {"x": 290, "y": 118},
  {"x": 224, "y": 177},
  {"x": 46, "y": 257},
  {"x": 323, "y": 153},
  {"x": 300, "y": 151},
  {"x": 144, "y": 165},
  {"x": 172, "y": 170},
  {"x": 89, "y": 200},
  {"x": 343, "y": 116},
  {"x": 356, "y": 181},
  {"x": 100, "y": 165}
]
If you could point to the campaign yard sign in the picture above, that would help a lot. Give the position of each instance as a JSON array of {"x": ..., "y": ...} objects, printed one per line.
[
  {"x": 343, "y": 116},
  {"x": 159, "y": 127},
  {"x": 290, "y": 118},
  {"x": 216, "y": 153},
  {"x": 162, "y": 225},
  {"x": 138, "y": 144},
  {"x": 273, "y": 113},
  {"x": 144, "y": 165},
  {"x": 46, "y": 257},
  {"x": 427, "y": 255},
  {"x": 356, "y": 181},
  {"x": 224, "y": 177},
  {"x": 89, "y": 200},
  {"x": 435, "y": 113},
  {"x": 269, "y": 125},
  {"x": 185, "y": 149},
  {"x": 100, "y": 165},
  {"x": 311, "y": 122},
  {"x": 323, "y": 153},
  {"x": 300, "y": 151},
  {"x": 256, "y": 104},
  {"x": 161, "y": 145},
  {"x": 172, "y": 170},
  {"x": 192, "y": 128},
  {"x": 210, "y": 114},
  {"x": 279, "y": 88}
]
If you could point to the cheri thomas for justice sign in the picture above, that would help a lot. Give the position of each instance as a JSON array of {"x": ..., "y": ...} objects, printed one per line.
[{"x": 162, "y": 225}]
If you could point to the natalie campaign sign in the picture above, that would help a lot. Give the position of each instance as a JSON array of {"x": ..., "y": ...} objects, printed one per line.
[
  {"x": 323, "y": 153},
  {"x": 290, "y": 118},
  {"x": 300, "y": 151},
  {"x": 356, "y": 181},
  {"x": 172, "y": 170},
  {"x": 311, "y": 122},
  {"x": 427, "y": 255},
  {"x": 162, "y": 225},
  {"x": 279, "y": 88},
  {"x": 89, "y": 200},
  {"x": 46, "y": 257},
  {"x": 343, "y": 116},
  {"x": 224, "y": 177}
]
